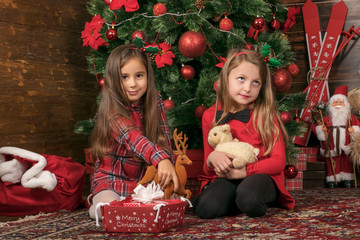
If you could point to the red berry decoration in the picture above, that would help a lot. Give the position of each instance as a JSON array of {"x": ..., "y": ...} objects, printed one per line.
[
  {"x": 101, "y": 82},
  {"x": 293, "y": 69},
  {"x": 258, "y": 23},
  {"x": 192, "y": 44},
  {"x": 107, "y": 2},
  {"x": 282, "y": 80},
  {"x": 159, "y": 9},
  {"x": 290, "y": 171},
  {"x": 168, "y": 103},
  {"x": 285, "y": 117},
  {"x": 249, "y": 46},
  {"x": 297, "y": 119},
  {"x": 226, "y": 24},
  {"x": 111, "y": 34},
  {"x": 187, "y": 72},
  {"x": 139, "y": 34},
  {"x": 199, "y": 111},
  {"x": 275, "y": 24}
]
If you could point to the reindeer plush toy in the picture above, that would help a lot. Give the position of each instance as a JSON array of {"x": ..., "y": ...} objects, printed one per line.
[{"x": 181, "y": 161}]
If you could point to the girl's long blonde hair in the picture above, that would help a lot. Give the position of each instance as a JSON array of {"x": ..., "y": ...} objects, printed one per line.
[
  {"x": 265, "y": 109},
  {"x": 113, "y": 111}
]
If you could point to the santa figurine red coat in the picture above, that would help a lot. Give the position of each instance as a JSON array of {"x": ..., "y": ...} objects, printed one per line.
[{"x": 335, "y": 137}]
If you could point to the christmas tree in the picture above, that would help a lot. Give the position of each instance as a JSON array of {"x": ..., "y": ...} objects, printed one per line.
[{"x": 186, "y": 40}]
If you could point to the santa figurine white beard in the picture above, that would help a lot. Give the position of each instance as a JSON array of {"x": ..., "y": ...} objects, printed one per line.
[
  {"x": 340, "y": 117},
  {"x": 339, "y": 114}
]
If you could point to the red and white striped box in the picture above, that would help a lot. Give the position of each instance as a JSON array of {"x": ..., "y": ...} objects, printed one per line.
[
  {"x": 132, "y": 216},
  {"x": 295, "y": 183}
]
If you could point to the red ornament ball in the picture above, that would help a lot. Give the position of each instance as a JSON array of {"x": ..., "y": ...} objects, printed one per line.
[
  {"x": 187, "y": 72},
  {"x": 139, "y": 34},
  {"x": 258, "y": 23},
  {"x": 275, "y": 24},
  {"x": 168, "y": 103},
  {"x": 297, "y": 119},
  {"x": 226, "y": 24},
  {"x": 101, "y": 82},
  {"x": 199, "y": 111},
  {"x": 192, "y": 44},
  {"x": 282, "y": 80},
  {"x": 293, "y": 69},
  {"x": 285, "y": 117},
  {"x": 159, "y": 9},
  {"x": 111, "y": 34},
  {"x": 107, "y": 2},
  {"x": 290, "y": 171},
  {"x": 249, "y": 46}
]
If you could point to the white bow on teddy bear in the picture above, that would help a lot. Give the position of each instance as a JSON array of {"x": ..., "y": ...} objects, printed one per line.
[{"x": 17, "y": 170}]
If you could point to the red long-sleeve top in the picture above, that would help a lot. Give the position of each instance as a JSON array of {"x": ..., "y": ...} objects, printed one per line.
[{"x": 272, "y": 164}]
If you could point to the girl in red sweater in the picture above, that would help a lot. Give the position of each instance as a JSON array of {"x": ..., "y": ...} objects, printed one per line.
[
  {"x": 245, "y": 101},
  {"x": 131, "y": 130}
]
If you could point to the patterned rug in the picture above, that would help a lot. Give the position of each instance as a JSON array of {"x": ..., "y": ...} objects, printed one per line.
[{"x": 318, "y": 214}]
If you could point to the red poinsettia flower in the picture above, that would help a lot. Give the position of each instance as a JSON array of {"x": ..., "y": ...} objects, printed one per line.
[
  {"x": 164, "y": 56},
  {"x": 130, "y": 5},
  {"x": 91, "y": 36}
]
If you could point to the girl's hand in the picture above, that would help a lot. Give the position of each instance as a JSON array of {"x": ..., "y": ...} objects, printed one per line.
[
  {"x": 233, "y": 174},
  {"x": 221, "y": 162},
  {"x": 166, "y": 174}
]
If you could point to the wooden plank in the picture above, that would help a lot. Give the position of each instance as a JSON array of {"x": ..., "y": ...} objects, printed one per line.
[
  {"x": 314, "y": 175},
  {"x": 315, "y": 166},
  {"x": 66, "y": 14},
  {"x": 36, "y": 78},
  {"x": 42, "y": 44},
  {"x": 310, "y": 184},
  {"x": 46, "y": 87}
]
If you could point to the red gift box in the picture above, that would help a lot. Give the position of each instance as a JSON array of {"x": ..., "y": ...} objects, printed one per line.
[
  {"x": 310, "y": 150},
  {"x": 197, "y": 158},
  {"x": 133, "y": 216},
  {"x": 295, "y": 183}
]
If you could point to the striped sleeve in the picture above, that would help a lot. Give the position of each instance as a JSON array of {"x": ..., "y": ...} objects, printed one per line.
[{"x": 141, "y": 146}]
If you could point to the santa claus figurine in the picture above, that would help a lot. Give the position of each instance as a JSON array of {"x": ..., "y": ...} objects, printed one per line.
[{"x": 335, "y": 136}]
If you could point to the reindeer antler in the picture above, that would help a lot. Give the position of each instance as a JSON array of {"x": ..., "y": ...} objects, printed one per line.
[{"x": 178, "y": 138}]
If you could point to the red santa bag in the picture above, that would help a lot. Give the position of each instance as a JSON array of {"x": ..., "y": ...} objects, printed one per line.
[{"x": 32, "y": 183}]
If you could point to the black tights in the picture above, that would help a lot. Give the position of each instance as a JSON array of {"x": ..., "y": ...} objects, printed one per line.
[{"x": 230, "y": 197}]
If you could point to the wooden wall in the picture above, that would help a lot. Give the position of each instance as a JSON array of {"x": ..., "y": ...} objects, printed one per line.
[
  {"x": 45, "y": 85},
  {"x": 345, "y": 70}
]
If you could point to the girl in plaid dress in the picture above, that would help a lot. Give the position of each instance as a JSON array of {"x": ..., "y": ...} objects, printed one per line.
[{"x": 131, "y": 130}]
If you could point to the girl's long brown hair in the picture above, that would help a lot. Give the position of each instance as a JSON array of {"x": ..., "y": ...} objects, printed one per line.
[
  {"x": 265, "y": 109},
  {"x": 113, "y": 111}
]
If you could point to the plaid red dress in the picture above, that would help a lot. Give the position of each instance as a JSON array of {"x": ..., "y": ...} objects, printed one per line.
[{"x": 130, "y": 154}]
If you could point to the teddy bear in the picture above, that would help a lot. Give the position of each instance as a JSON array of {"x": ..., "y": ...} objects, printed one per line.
[{"x": 220, "y": 138}]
